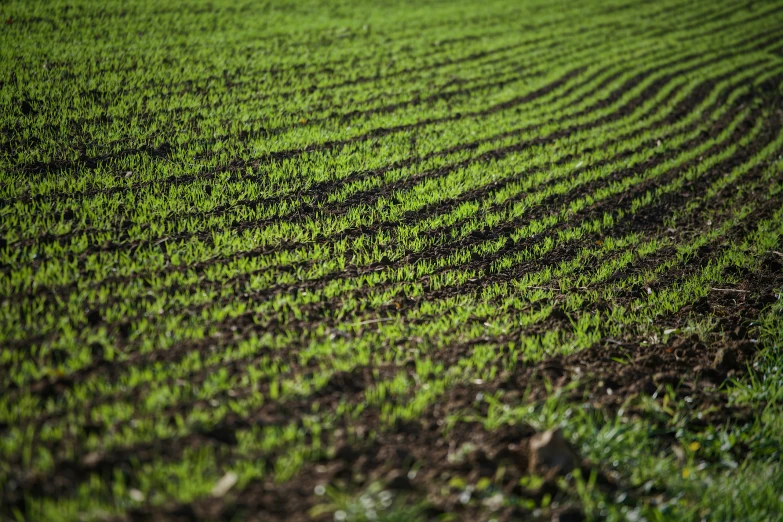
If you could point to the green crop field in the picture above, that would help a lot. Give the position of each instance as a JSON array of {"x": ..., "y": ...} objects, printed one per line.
[{"x": 359, "y": 260}]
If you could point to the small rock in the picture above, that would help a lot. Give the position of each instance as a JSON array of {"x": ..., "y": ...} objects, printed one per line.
[
  {"x": 224, "y": 484},
  {"x": 91, "y": 459},
  {"x": 493, "y": 503},
  {"x": 550, "y": 451},
  {"x": 678, "y": 452}
]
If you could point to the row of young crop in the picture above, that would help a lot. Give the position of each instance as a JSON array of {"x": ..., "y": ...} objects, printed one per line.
[
  {"x": 101, "y": 128},
  {"x": 352, "y": 279},
  {"x": 400, "y": 396},
  {"x": 309, "y": 140},
  {"x": 285, "y": 231},
  {"x": 382, "y": 248},
  {"x": 386, "y": 334},
  {"x": 372, "y": 298}
]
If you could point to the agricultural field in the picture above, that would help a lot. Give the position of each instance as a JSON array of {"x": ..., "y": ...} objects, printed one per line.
[{"x": 357, "y": 260}]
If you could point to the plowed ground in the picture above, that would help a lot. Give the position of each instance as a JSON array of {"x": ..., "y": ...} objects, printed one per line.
[{"x": 344, "y": 260}]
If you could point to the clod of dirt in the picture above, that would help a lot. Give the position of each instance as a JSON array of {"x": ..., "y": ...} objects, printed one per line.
[
  {"x": 773, "y": 264},
  {"x": 725, "y": 358},
  {"x": 59, "y": 356},
  {"x": 94, "y": 317},
  {"x": 740, "y": 332},
  {"x": 346, "y": 453},
  {"x": 220, "y": 433},
  {"x": 568, "y": 515},
  {"x": 124, "y": 329},
  {"x": 97, "y": 351},
  {"x": 399, "y": 481},
  {"x": 558, "y": 314},
  {"x": 702, "y": 305},
  {"x": 550, "y": 452}
]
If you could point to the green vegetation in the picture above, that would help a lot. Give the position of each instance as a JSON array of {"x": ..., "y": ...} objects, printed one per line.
[{"x": 344, "y": 260}]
